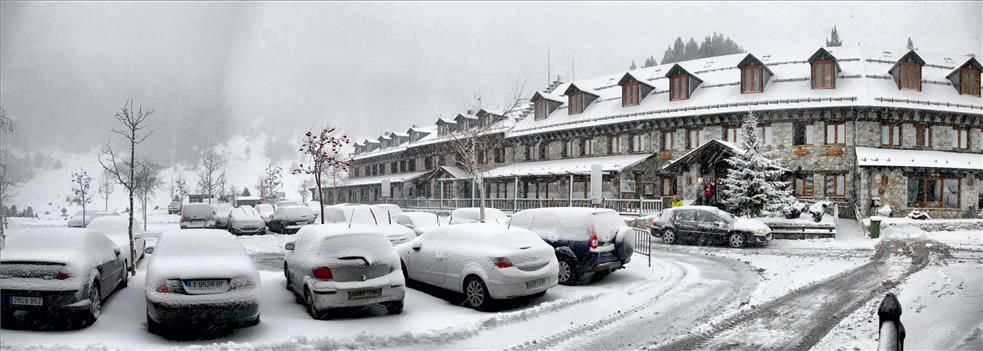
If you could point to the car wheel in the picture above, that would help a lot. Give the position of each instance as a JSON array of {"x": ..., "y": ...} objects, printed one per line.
[
  {"x": 669, "y": 237},
  {"x": 91, "y": 314},
  {"x": 125, "y": 279},
  {"x": 311, "y": 309},
  {"x": 394, "y": 307},
  {"x": 567, "y": 271},
  {"x": 406, "y": 274},
  {"x": 286, "y": 273},
  {"x": 736, "y": 240},
  {"x": 476, "y": 294},
  {"x": 152, "y": 326}
]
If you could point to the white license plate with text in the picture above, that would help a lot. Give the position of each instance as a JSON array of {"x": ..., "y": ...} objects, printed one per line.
[
  {"x": 207, "y": 285},
  {"x": 364, "y": 294},
  {"x": 26, "y": 301},
  {"x": 538, "y": 283}
]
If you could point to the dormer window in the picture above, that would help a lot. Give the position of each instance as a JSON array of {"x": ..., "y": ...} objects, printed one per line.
[
  {"x": 540, "y": 109},
  {"x": 681, "y": 83},
  {"x": 824, "y": 69},
  {"x": 578, "y": 99},
  {"x": 754, "y": 75},
  {"x": 544, "y": 104},
  {"x": 576, "y": 103},
  {"x": 966, "y": 78},
  {"x": 633, "y": 90},
  {"x": 907, "y": 72}
]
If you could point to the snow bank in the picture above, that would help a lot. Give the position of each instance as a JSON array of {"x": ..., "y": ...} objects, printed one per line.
[
  {"x": 931, "y": 225},
  {"x": 970, "y": 239}
]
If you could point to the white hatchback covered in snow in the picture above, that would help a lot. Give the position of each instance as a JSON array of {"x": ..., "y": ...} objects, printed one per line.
[
  {"x": 201, "y": 277},
  {"x": 334, "y": 265},
  {"x": 471, "y": 215},
  {"x": 369, "y": 215},
  {"x": 484, "y": 261},
  {"x": 77, "y": 221},
  {"x": 289, "y": 219},
  {"x": 265, "y": 211}
]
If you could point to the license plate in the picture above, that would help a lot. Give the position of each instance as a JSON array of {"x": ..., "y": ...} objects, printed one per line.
[
  {"x": 363, "y": 294},
  {"x": 538, "y": 283},
  {"x": 26, "y": 301},
  {"x": 207, "y": 285}
]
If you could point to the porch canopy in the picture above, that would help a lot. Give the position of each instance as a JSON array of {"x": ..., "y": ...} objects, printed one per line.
[
  {"x": 708, "y": 154},
  {"x": 876, "y": 157},
  {"x": 575, "y": 166},
  {"x": 393, "y": 178},
  {"x": 451, "y": 172}
]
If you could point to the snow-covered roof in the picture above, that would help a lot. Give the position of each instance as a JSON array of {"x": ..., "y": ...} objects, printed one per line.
[
  {"x": 862, "y": 81},
  {"x": 580, "y": 166},
  {"x": 393, "y": 178},
  {"x": 877, "y": 157},
  {"x": 456, "y": 172},
  {"x": 684, "y": 159},
  {"x": 548, "y": 96}
]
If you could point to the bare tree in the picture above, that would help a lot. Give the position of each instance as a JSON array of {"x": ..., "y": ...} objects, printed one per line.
[
  {"x": 135, "y": 132},
  {"x": 208, "y": 174},
  {"x": 271, "y": 182},
  {"x": 81, "y": 190},
  {"x": 472, "y": 144},
  {"x": 181, "y": 187},
  {"x": 106, "y": 188},
  {"x": 303, "y": 192},
  {"x": 147, "y": 182},
  {"x": 324, "y": 149}
]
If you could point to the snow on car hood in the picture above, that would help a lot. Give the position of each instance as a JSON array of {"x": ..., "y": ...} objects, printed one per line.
[{"x": 751, "y": 225}]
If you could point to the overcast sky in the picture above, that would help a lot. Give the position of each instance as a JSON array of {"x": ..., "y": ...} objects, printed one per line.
[{"x": 270, "y": 71}]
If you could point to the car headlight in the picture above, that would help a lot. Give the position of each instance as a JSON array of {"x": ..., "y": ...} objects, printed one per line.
[{"x": 762, "y": 231}]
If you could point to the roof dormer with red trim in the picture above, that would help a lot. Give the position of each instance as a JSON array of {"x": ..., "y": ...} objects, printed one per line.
[
  {"x": 907, "y": 72},
  {"x": 633, "y": 90},
  {"x": 754, "y": 75},
  {"x": 578, "y": 99},
  {"x": 966, "y": 78},
  {"x": 682, "y": 84}
]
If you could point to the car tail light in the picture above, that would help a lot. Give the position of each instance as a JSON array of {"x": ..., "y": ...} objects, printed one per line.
[
  {"x": 240, "y": 283},
  {"x": 653, "y": 223},
  {"x": 593, "y": 240},
  {"x": 63, "y": 275},
  {"x": 503, "y": 262},
  {"x": 323, "y": 273},
  {"x": 163, "y": 288}
]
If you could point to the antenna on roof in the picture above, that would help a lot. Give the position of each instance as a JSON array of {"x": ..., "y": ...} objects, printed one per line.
[
  {"x": 548, "y": 72},
  {"x": 573, "y": 70}
]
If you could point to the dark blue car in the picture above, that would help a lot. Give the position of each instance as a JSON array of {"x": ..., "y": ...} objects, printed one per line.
[{"x": 590, "y": 243}]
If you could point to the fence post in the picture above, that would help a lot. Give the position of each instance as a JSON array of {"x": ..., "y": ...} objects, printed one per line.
[{"x": 515, "y": 196}]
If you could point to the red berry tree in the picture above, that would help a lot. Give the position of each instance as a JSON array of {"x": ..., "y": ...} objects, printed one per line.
[{"x": 324, "y": 149}]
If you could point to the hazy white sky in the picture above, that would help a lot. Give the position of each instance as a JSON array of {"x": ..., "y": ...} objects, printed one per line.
[{"x": 215, "y": 70}]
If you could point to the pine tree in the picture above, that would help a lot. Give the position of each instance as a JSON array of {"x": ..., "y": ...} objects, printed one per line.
[
  {"x": 692, "y": 50},
  {"x": 834, "y": 39},
  {"x": 245, "y": 192},
  {"x": 753, "y": 184},
  {"x": 911, "y": 45},
  {"x": 650, "y": 61},
  {"x": 632, "y": 67}
]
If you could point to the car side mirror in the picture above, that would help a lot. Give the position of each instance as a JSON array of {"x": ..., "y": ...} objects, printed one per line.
[
  {"x": 417, "y": 244},
  {"x": 409, "y": 225},
  {"x": 149, "y": 250},
  {"x": 289, "y": 246},
  {"x": 116, "y": 250}
]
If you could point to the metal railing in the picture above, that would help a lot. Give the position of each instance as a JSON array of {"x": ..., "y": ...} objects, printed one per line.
[
  {"x": 629, "y": 207},
  {"x": 643, "y": 244}
]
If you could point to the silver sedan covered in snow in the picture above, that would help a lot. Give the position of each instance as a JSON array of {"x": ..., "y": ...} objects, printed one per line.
[
  {"x": 337, "y": 265},
  {"x": 370, "y": 215},
  {"x": 245, "y": 220}
]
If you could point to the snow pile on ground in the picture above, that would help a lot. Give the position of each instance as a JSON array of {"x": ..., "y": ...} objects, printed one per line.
[
  {"x": 931, "y": 225},
  {"x": 966, "y": 239},
  {"x": 265, "y": 244}
]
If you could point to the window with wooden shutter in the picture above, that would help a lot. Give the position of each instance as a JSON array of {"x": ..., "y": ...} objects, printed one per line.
[
  {"x": 667, "y": 140},
  {"x": 890, "y": 135},
  {"x": 540, "y": 109},
  {"x": 576, "y": 102},
  {"x": 823, "y": 74},
  {"x": 803, "y": 185},
  {"x": 923, "y": 135},
  {"x": 679, "y": 87},
  {"x": 960, "y": 138},
  {"x": 730, "y": 133},
  {"x": 969, "y": 81},
  {"x": 911, "y": 76},
  {"x": 752, "y": 76},
  {"x": 630, "y": 93},
  {"x": 835, "y": 133}
]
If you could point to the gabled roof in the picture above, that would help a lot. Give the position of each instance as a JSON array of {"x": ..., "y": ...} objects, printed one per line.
[
  {"x": 385, "y": 136},
  {"x": 628, "y": 75},
  {"x": 461, "y": 115},
  {"x": 749, "y": 59},
  {"x": 676, "y": 68},
  {"x": 970, "y": 62},
  {"x": 574, "y": 88},
  {"x": 445, "y": 121},
  {"x": 541, "y": 95},
  {"x": 822, "y": 53},
  {"x": 367, "y": 141},
  {"x": 910, "y": 54}
]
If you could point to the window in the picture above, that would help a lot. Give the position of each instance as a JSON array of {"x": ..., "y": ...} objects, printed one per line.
[
  {"x": 891, "y": 135},
  {"x": 428, "y": 163},
  {"x": 568, "y": 148},
  {"x": 692, "y": 138},
  {"x": 412, "y": 165},
  {"x": 969, "y": 81},
  {"x": 544, "y": 148},
  {"x": 835, "y": 185},
  {"x": 638, "y": 142},
  {"x": 730, "y": 134},
  {"x": 910, "y": 76},
  {"x": 587, "y": 148},
  {"x": 614, "y": 144},
  {"x": 823, "y": 74},
  {"x": 960, "y": 138},
  {"x": 835, "y": 133},
  {"x": 679, "y": 87},
  {"x": 668, "y": 186},
  {"x": 576, "y": 102},
  {"x": 667, "y": 140},
  {"x": 500, "y": 155},
  {"x": 527, "y": 152},
  {"x": 803, "y": 185},
  {"x": 933, "y": 192},
  {"x": 923, "y": 135},
  {"x": 393, "y": 167},
  {"x": 752, "y": 76},
  {"x": 355, "y": 171},
  {"x": 765, "y": 134},
  {"x": 629, "y": 93},
  {"x": 481, "y": 157},
  {"x": 540, "y": 109},
  {"x": 804, "y": 134}
]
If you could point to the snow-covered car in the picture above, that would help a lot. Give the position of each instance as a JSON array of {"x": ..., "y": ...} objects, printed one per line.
[
  {"x": 284, "y": 203},
  {"x": 197, "y": 216},
  {"x": 174, "y": 207},
  {"x": 369, "y": 215},
  {"x": 59, "y": 271},
  {"x": 76, "y": 220},
  {"x": 265, "y": 211},
  {"x": 222, "y": 211},
  {"x": 420, "y": 222},
  {"x": 657, "y": 220},
  {"x": 245, "y": 220},
  {"x": 200, "y": 278},
  {"x": 711, "y": 224},
  {"x": 589, "y": 243},
  {"x": 485, "y": 261},
  {"x": 289, "y": 219},
  {"x": 336, "y": 265},
  {"x": 392, "y": 209},
  {"x": 471, "y": 215},
  {"x": 117, "y": 229}
]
